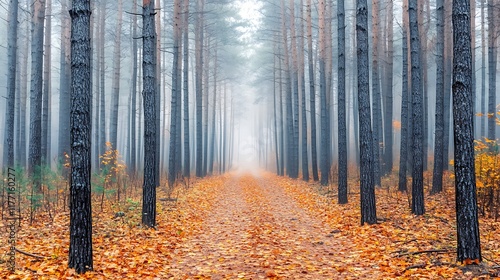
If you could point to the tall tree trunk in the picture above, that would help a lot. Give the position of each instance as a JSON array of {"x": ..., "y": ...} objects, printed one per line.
[
  {"x": 80, "y": 245},
  {"x": 23, "y": 94},
  {"x": 176, "y": 92},
  {"x": 367, "y": 188},
  {"x": 36, "y": 91},
  {"x": 149, "y": 97},
  {"x": 102, "y": 66},
  {"x": 206, "y": 69},
  {"x": 312, "y": 93},
  {"x": 483, "y": 71},
  {"x": 324, "y": 166},
  {"x": 437, "y": 177},
  {"x": 417, "y": 204},
  {"x": 468, "y": 243},
  {"x": 46, "y": 86},
  {"x": 288, "y": 95},
  {"x": 8, "y": 148},
  {"x": 283, "y": 150},
  {"x": 405, "y": 119},
  {"x": 342, "y": 126},
  {"x": 301, "y": 53},
  {"x": 212, "y": 134},
  {"x": 199, "y": 89},
  {"x": 376, "y": 114},
  {"x": 295, "y": 92},
  {"x": 388, "y": 92},
  {"x": 448, "y": 56},
  {"x": 133, "y": 135},
  {"x": 187, "y": 153},
  {"x": 115, "y": 84},
  {"x": 64, "y": 88},
  {"x": 158, "y": 91},
  {"x": 277, "y": 153},
  {"x": 492, "y": 65}
]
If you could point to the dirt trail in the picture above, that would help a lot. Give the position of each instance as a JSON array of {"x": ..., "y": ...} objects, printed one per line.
[{"x": 257, "y": 231}]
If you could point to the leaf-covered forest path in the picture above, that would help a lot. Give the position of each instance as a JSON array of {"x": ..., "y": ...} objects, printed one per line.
[
  {"x": 255, "y": 231},
  {"x": 255, "y": 226}
]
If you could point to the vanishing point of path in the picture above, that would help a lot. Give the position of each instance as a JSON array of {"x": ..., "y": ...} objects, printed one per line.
[{"x": 257, "y": 231}]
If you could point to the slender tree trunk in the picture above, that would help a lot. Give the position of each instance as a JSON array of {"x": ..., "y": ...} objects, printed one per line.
[
  {"x": 133, "y": 135},
  {"x": 46, "y": 86},
  {"x": 288, "y": 96},
  {"x": 115, "y": 84},
  {"x": 64, "y": 91},
  {"x": 312, "y": 93},
  {"x": 417, "y": 205},
  {"x": 448, "y": 56},
  {"x": 23, "y": 92},
  {"x": 283, "y": 150},
  {"x": 80, "y": 245},
  {"x": 36, "y": 92},
  {"x": 324, "y": 167},
  {"x": 295, "y": 93},
  {"x": 342, "y": 126},
  {"x": 468, "y": 243},
  {"x": 199, "y": 89},
  {"x": 437, "y": 178},
  {"x": 403, "y": 149},
  {"x": 8, "y": 148},
  {"x": 212, "y": 137},
  {"x": 176, "y": 90},
  {"x": 388, "y": 92},
  {"x": 301, "y": 53},
  {"x": 483, "y": 70},
  {"x": 376, "y": 114},
  {"x": 102, "y": 94},
  {"x": 149, "y": 97},
  {"x": 367, "y": 188},
  {"x": 187, "y": 154},
  {"x": 275, "y": 115},
  {"x": 492, "y": 65},
  {"x": 206, "y": 69}
]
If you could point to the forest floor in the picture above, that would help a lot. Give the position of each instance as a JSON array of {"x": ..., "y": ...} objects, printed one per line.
[{"x": 259, "y": 226}]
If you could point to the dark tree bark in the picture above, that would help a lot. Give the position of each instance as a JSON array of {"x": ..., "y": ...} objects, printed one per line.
[
  {"x": 324, "y": 123},
  {"x": 492, "y": 66},
  {"x": 368, "y": 207},
  {"x": 36, "y": 92},
  {"x": 8, "y": 148},
  {"x": 342, "y": 126},
  {"x": 173, "y": 165},
  {"x": 312, "y": 94},
  {"x": 403, "y": 150},
  {"x": 149, "y": 96},
  {"x": 417, "y": 203},
  {"x": 468, "y": 243},
  {"x": 448, "y": 56},
  {"x": 80, "y": 245},
  {"x": 437, "y": 177}
]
